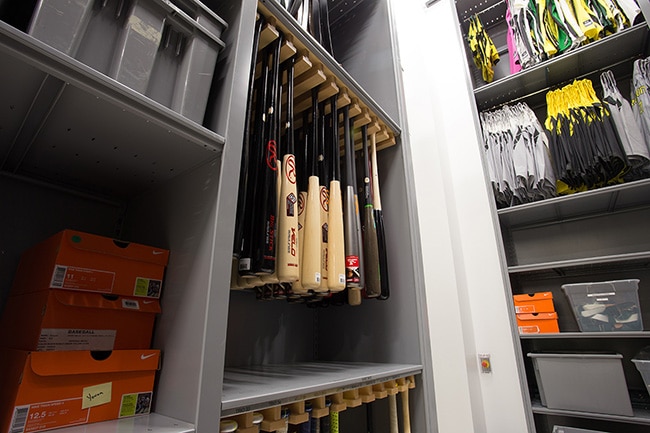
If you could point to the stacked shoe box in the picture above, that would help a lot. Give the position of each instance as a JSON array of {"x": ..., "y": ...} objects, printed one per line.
[
  {"x": 536, "y": 313},
  {"x": 75, "y": 335}
]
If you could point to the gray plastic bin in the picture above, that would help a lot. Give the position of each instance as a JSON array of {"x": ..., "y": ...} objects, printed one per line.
[
  {"x": 154, "y": 47},
  {"x": 562, "y": 429},
  {"x": 186, "y": 61},
  {"x": 582, "y": 382},
  {"x": 61, "y": 23},
  {"x": 606, "y": 306}
]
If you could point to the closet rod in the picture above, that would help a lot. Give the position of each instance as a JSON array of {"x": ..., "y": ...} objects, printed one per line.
[
  {"x": 560, "y": 84},
  {"x": 482, "y": 11}
]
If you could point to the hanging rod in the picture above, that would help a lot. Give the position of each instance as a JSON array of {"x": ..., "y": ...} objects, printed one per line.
[
  {"x": 482, "y": 11},
  {"x": 560, "y": 84}
]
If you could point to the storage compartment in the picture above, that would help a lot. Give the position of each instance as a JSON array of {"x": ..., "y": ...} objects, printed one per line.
[
  {"x": 151, "y": 46},
  {"x": 171, "y": 183},
  {"x": 606, "y": 306},
  {"x": 582, "y": 382}
]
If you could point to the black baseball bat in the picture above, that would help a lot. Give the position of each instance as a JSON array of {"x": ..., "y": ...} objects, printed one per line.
[
  {"x": 266, "y": 219},
  {"x": 244, "y": 189},
  {"x": 254, "y": 193},
  {"x": 372, "y": 284},
  {"x": 379, "y": 221}
]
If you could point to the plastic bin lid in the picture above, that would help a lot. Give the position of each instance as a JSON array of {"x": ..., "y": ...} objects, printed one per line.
[
  {"x": 585, "y": 355},
  {"x": 643, "y": 355}
]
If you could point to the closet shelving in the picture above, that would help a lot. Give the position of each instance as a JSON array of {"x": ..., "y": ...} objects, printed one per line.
[
  {"x": 322, "y": 366},
  {"x": 69, "y": 135},
  {"x": 595, "y": 235},
  {"x": 82, "y": 151},
  {"x": 595, "y": 56}
]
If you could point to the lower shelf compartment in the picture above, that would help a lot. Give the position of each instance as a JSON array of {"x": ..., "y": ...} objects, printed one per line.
[
  {"x": 257, "y": 387},
  {"x": 139, "y": 424},
  {"x": 641, "y": 413}
]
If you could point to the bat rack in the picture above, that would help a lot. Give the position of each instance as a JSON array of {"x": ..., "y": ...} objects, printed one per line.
[
  {"x": 315, "y": 67},
  {"x": 321, "y": 405}
]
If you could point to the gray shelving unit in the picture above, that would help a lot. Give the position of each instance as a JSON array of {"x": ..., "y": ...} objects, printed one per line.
[
  {"x": 81, "y": 151},
  {"x": 592, "y": 236},
  {"x": 258, "y": 387}
]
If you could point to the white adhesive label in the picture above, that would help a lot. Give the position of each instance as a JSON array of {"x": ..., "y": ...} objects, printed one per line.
[{"x": 55, "y": 339}]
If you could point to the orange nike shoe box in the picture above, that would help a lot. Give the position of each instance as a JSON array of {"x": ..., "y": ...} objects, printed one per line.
[
  {"x": 47, "y": 390},
  {"x": 540, "y": 302},
  {"x": 73, "y": 260},
  {"x": 537, "y": 323},
  {"x": 53, "y": 319}
]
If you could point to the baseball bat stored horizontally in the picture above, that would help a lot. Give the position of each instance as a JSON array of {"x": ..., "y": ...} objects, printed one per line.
[
  {"x": 266, "y": 219},
  {"x": 379, "y": 222},
  {"x": 372, "y": 281},
  {"x": 322, "y": 162},
  {"x": 335, "y": 236},
  {"x": 351, "y": 216},
  {"x": 288, "y": 268},
  {"x": 310, "y": 265}
]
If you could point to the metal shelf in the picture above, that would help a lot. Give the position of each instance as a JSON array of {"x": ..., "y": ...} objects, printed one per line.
[
  {"x": 613, "y": 49},
  {"x": 65, "y": 123},
  {"x": 257, "y": 387},
  {"x": 581, "y": 335},
  {"x": 587, "y": 261},
  {"x": 598, "y": 201},
  {"x": 138, "y": 424},
  {"x": 641, "y": 415}
]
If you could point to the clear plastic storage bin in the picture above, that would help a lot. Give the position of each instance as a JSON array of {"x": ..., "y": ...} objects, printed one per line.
[
  {"x": 587, "y": 382},
  {"x": 606, "y": 306},
  {"x": 642, "y": 363}
]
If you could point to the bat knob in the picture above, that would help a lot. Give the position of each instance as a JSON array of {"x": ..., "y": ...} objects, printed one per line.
[{"x": 354, "y": 296}]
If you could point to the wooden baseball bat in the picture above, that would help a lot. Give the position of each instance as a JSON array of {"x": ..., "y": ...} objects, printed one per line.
[
  {"x": 379, "y": 222},
  {"x": 288, "y": 264},
  {"x": 244, "y": 189},
  {"x": 351, "y": 215},
  {"x": 310, "y": 266},
  {"x": 392, "y": 410},
  {"x": 406, "y": 414},
  {"x": 372, "y": 284},
  {"x": 322, "y": 162},
  {"x": 335, "y": 236},
  {"x": 266, "y": 220}
]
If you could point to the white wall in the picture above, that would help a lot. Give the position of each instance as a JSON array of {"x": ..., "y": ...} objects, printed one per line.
[{"x": 466, "y": 299}]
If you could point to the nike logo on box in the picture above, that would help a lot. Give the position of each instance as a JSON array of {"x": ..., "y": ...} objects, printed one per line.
[
  {"x": 157, "y": 253},
  {"x": 148, "y": 302},
  {"x": 143, "y": 356}
]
